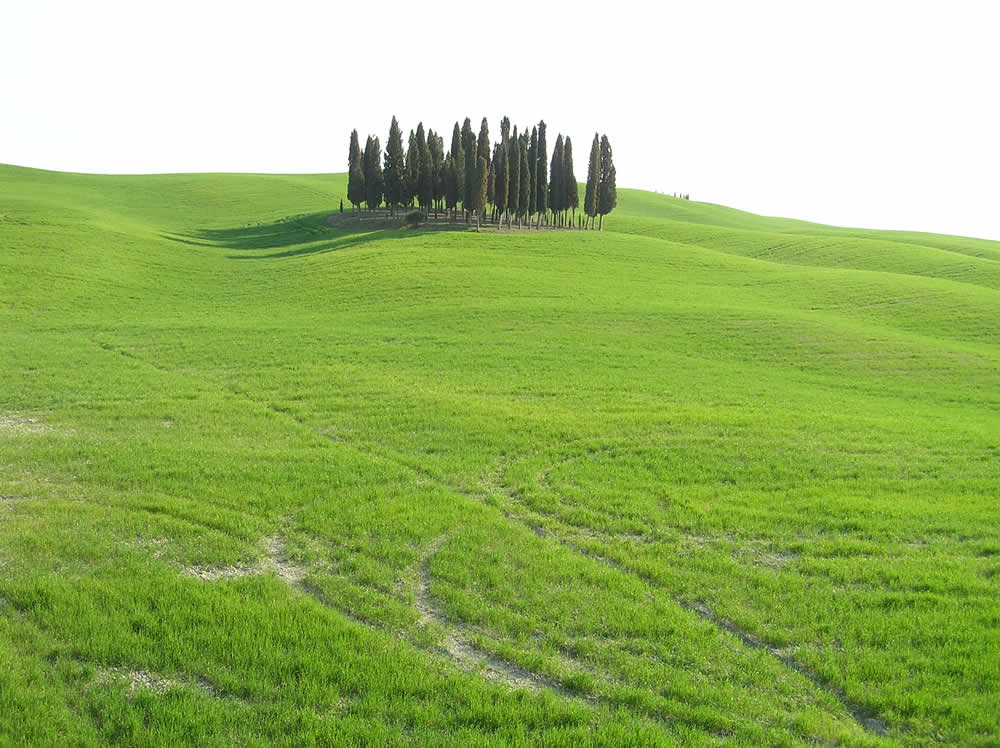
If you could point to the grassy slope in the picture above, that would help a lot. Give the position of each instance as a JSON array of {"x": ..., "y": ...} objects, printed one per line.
[{"x": 790, "y": 426}]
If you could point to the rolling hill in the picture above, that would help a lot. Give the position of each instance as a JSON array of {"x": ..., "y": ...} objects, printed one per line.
[{"x": 702, "y": 477}]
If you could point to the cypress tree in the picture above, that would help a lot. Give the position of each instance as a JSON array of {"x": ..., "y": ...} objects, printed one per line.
[
  {"x": 451, "y": 191},
  {"x": 425, "y": 193},
  {"x": 435, "y": 144},
  {"x": 458, "y": 157},
  {"x": 483, "y": 144},
  {"x": 394, "y": 166},
  {"x": 412, "y": 170},
  {"x": 514, "y": 177},
  {"x": 490, "y": 184},
  {"x": 541, "y": 178},
  {"x": 593, "y": 178},
  {"x": 572, "y": 199},
  {"x": 607, "y": 193},
  {"x": 422, "y": 185},
  {"x": 372, "y": 164},
  {"x": 456, "y": 141},
  {"x": 557, "y": 192},
  {"x": 355, "y": 176},
  {"x": 421, "y": 136},
  {"x": 469, "y": 146},
  {"x": 482, "y": 185},
  {"x": 532, "y": 172},
  {"x": 524, "y": 196},
  {"x": 501, "y": 180}
]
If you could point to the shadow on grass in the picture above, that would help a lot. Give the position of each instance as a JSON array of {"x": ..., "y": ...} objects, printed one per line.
[{"x": 294, "y": 236}]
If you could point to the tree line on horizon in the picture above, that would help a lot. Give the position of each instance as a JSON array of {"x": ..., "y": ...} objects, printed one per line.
[{"x": 513, "y": 180}]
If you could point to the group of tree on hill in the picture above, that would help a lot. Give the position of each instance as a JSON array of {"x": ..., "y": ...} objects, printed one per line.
[{"x": 511, "y": 181}]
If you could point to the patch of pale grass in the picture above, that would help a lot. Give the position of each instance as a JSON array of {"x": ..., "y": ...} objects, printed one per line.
[{"x": 13, "y": 422}]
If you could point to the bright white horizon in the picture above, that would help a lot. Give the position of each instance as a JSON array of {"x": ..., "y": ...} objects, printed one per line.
[{"x": 869, "y": 114}]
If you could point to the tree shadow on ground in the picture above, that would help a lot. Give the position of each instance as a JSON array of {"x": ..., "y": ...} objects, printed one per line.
[{"x": 293, "y": 236}]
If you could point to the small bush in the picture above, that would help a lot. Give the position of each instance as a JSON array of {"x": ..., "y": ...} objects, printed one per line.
[{"x": 415, "y": 218}]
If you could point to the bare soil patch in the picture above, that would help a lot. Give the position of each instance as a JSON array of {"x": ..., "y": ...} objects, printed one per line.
[
  {"x": 274, "y": 561},
  {"x": 13, "y": 422},
  {"x": 143, "y": 680}
]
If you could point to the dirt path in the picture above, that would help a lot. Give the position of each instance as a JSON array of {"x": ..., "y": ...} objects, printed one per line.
[{"x": 457, "y": 645}]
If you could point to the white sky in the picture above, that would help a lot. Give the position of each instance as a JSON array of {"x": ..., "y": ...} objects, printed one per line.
[{"x": 877, "y": 114}]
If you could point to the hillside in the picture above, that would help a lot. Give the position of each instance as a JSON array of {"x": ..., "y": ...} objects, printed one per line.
[{"x": 702, "y": 477}]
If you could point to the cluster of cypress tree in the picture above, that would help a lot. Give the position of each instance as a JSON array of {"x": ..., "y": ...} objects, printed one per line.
[{"x": 513, "y": 180}]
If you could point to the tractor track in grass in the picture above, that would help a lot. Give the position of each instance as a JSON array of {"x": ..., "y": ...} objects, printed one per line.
[
  {"x": 463, "y": 653},
  {"x": 862, "y": 716},
  {"x": 457, "y": 646},
  {"x": 493, "y": 483},
  {"x": 457, "y": 642}
]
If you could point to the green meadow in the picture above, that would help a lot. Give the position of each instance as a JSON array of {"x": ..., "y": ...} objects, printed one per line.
[{"x": 704, "y": 477}]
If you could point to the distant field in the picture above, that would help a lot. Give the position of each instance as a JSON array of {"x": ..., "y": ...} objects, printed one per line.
[{"x": 704, "y": 477}]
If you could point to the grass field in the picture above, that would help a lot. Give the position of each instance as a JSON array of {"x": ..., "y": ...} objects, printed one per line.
[{"x": 705, "y": 477}]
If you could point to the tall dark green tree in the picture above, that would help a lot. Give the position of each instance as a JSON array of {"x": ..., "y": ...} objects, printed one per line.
[
  {"x": 422, "y": 186},
  {"x": 481, "y": 187},
  {"x": 435, "y": 145},
  {"x": 483, "y": 151},
  {"x": 524, "y": 198},
  {"x": 557, "y": 191},
  {"x": 501, "y": 180},
  {"x": 490, "y": 184},
  {"x": 607, "y": 192},
  {"x": 572, "y": 199},
  {"x": 541, "y": 178},
  {"x": 452, "y": 193},
  {"x": 456, "y": 141},
  {"x": 593, "y": 180},
  {"x": 355, "y": 174},
  {"x": 412, "y": 180},
  {"x": 394, "y": 167},
  {"x": 372, "y": 164},
  {"x": 483, "y": 143},
  {"x": 514, "y": 177},
  {"x": 458, "y": 156},
  {"x": 421, "y": 136},
  {"x": 532, "y": 173},
  {"x": 469, "y": 146},
  {"x": 425, "y": 189}
]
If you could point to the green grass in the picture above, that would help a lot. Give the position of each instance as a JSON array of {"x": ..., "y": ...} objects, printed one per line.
[{"x": 703, "y": 477}]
